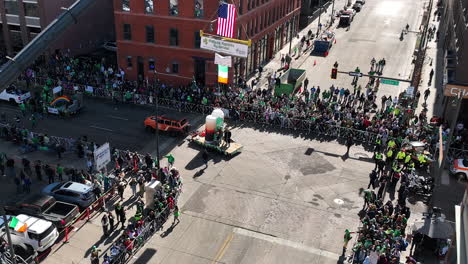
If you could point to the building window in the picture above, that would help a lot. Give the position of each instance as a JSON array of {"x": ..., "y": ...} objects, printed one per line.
[
  {"x": 174, "y": 37},
  {"x": 129, "y": 62},
  {"x": 151, "y": 65},
  {"x": 199, "y": 8},
  {"x": 30, "y": 9},
  {"x": 11, "y": 7},
  {"x": 149, "y": 34},
  {"x": 148, "y": 6},
  {"x": 126, "y": 5},
  {"x": 127, "y": 32},
  {"x": 197, "y": 39},
  {"x": 175, "y": 67},
  {"x": 174, "y": 7}
]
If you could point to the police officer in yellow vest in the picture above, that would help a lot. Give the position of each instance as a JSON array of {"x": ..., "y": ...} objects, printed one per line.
[
  {"x": 401, "y": 155},
  {"x": 389, "y": 158},
  {"x": 422, "y": 159},
  {"x": 378, "y": 158},
  {"x": 407, "y": 160},
  {"x": 378, "y": 143},
  {"x": 391, "y": 143}
]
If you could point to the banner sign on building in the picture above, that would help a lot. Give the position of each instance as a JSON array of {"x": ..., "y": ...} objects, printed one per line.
[
  {"x": 224, "y": 46},
  {"x": 223, "y": 60},
  {"x": 102, "y": 156},
  {"x": 454, "y": 90}
]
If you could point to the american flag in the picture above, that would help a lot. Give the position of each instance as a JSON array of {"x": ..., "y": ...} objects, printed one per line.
[{"x": 226, "y": 20}]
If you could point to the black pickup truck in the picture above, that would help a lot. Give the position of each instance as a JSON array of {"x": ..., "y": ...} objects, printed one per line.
[{"x": 45, "y": 207}]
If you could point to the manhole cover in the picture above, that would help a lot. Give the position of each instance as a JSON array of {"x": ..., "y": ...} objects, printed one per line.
[{"x": 338, "y": 201}]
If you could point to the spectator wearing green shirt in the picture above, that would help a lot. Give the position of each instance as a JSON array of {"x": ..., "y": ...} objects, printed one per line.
[{"x": 59, "y": 170}]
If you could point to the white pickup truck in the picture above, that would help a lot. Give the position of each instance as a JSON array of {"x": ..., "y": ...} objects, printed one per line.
[
  {"x": 13, "y": 95},
  {"x": 39, "y": 234}
]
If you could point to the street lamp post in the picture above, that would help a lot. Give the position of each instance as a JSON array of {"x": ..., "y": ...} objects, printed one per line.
[
  {"x": 320, "y": 15},
  {"x": 291, "y": 26},
  {"x": 156, "y": 119},
  {"x": 7, "y": 230}
]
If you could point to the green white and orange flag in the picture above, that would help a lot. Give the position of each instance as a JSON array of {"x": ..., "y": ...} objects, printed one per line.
[
  {"x": 19, "y": 226},
  {"x": 223, "y": 74}
]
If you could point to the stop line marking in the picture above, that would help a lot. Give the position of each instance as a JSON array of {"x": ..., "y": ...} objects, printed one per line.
[{"x": 288, "y": 243}]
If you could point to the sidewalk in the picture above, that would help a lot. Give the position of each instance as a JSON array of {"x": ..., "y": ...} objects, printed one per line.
[
  {"x": 275, "y": 63},
  {"x": 434, "y": 60}
]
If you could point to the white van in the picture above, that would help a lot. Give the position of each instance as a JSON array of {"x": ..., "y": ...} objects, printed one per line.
[{"x": 40, "y": 234}]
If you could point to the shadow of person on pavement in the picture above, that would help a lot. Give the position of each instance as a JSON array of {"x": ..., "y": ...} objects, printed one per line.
[
  {"x": 169, "y": 230},
  {"x": 199, "y": 173},
  {"x": 111, "y": 238}
]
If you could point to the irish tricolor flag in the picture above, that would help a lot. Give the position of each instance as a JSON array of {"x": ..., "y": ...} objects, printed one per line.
[
  {"x": 19, "y": 226},
  {"x": 222, "y": 74}
]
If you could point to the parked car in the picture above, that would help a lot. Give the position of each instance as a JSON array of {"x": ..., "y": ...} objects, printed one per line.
[
  {"x": 45, "y": 207},
  {"x": 357, "y": 6},
  {"x": 39, "y": 234},
  {"x": 362, "y": 2},
  {"x": 71, "y": 192},
  {"x": 110, "y": 46},
  {"x": 167, "y": 123},
  {"x": 459, "y": 168},
  {"x": 14, "y": 95},
  {"x": 346, "y": 17}
]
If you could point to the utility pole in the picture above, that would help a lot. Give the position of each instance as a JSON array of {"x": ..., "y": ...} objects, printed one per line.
[
  {"x": 7, "y": 230},
  {"x": 291, "y": 24},
  {"x": 320, "y": 14},
  {"x": 332, "y": 19},
  {"x": 157, "y": 120},
  {"x": 458, "y": 100}
]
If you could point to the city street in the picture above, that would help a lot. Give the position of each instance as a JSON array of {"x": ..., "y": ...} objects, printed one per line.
[
  {"x": 374, "y": 33},
  {"x": 284, "y": 198},
  {"x": 102, "y": 121}
]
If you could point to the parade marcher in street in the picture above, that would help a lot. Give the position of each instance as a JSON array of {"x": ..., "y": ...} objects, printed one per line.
[
  {"x": 121, "y": 189},
  {"x": 95, "y": 255},
  {"x": 349, "y": 143},
  {"x": 105, "y": 224},
  {"x": 133, "y": 185},
  {"x": 176, "y": 215},
  {"x": 111, "y": 221},
  {"x": 426, "y": 94},
  {"x": 372, "y": 179},
  {"x": 205, "y": 157},
  {"x": 120, "y": 213},
  {"x": 59, "y": 170}
]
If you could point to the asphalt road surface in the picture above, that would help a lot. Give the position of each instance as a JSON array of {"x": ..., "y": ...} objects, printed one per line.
[
  {"x": 374, "y": 33},
  {"x": 103, "y": 121}
]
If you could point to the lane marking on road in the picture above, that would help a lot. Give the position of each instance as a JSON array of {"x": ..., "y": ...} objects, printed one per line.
[
  {"x": 288, "y": 243},
  {"x": 118, "y": 117},
  {"x": 102, "y": 128},
  {"x": 223, "y": 248}
]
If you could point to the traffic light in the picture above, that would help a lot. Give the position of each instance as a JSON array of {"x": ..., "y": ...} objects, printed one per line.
[{"x": 334, "y": 73}]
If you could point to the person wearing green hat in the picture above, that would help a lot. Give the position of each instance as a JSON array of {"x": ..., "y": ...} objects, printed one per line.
[{"x": 95, "y": 255}]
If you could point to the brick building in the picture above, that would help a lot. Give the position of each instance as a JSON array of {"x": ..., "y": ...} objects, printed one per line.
[
  {"x": 160, "y": 38},
  {"x": 453, "y": 33},
  {"x": 22, "y": 20}
]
